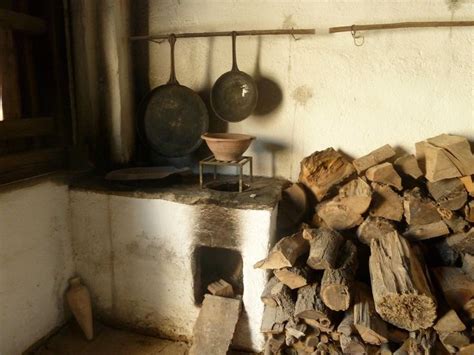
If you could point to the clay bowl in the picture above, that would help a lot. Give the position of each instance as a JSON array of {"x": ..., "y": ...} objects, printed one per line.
[{"x": 227, "y": 146}]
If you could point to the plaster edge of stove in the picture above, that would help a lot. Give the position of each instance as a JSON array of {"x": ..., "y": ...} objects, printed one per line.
[{"x": 136, "y": 256}]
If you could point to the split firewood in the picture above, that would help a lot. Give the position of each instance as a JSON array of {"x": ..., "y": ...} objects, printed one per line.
[
  {"x": 408, "y": 165},
  {"x": 409, "y": 346},
  {"x": 386, "y": 203},
  {"x": 294, "y": 331},
  {"x": 336, "y": 283},
  {"x": 371, "y": 328},
  {"x": 456, "y": 223},
  {"x": 294, "y": 277},
  {"x": 435, "y": 162},
  {"x": 352, "y": 344},
  {"x": 273, "y": 320},
  {"x": 467, "y": 350},
  {"x": 374, "y": 228},
  {"x": 426, "y": 231},
  {"x": 418, "y": 209},
  {"x": 324, "y": 247},
  {"x": 314, "y": 324},
  {"x": 302, "y": 349},
  {"x": 271, "y": 292},
  {"x": 468, "y": 310},
  {"x": 356, "y": 195},
  {"x": 373, "y": 158},
  {"x": 292, "y": 207},
  {"x": 468, "y": 184},
  {"x": 384, "y": 350},
  {"x": 338, "y": 216},
  {"x": 312, "y": 339},
  {"x": 449, "y": 322},
  {"x": 396, "y": 335},
  {"x": 469, "y": 211},
  {"x": 454, "y": 340},
  {"x": 322, "y": 170},
  {"x": 284, "y": 253},
  {"x": 310, "y": 306},
  {"x": 346, "y": 326},
  {"x": 468, "y": 265},
  {"x": 449, "y": 193},
  {"x": 462, "y": 242},
  {"x": 384, "y": 174},
  {"x": 426, "y": 338},
  {"x": 456, "y": 286},
  {"x": 221, "y": 288},
  {"x": 407, "y": 303},
  {"x": 458, "y": 151},
  {"x": 275, "y": 343}
]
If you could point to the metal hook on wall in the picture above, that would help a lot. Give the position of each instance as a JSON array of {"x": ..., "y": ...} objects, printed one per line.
[{"x": 358, "y": 38}]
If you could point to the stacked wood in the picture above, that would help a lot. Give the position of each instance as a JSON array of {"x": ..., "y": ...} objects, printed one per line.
[
  {"x": 322, "y": 170},
  {"x": 221, "y": 288},
  {"x": 382, "y": 267}
]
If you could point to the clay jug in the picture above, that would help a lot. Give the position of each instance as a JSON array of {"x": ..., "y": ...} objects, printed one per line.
[{"x": 79, "y": 301}]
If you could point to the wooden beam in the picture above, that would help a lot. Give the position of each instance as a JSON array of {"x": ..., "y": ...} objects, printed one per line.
[
  {"x": 27, "y": 127},
  {"x": 396, "y": 25},
  {"x": 18, "y": 21}
]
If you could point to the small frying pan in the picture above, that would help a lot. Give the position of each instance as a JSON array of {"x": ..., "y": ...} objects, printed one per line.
[
  {"x": 173, "y": 117},
  {"x": 234, "y": 95}
]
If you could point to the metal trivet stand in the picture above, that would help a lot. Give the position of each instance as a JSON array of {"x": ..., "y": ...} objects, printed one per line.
[{"x": 215, "y": 163}]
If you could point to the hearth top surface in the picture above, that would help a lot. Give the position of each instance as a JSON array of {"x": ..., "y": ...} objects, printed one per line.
[{"x": 186, "y": 190}]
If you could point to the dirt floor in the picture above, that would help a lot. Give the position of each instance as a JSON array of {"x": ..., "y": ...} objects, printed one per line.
[{"x": 109, "y": 341}]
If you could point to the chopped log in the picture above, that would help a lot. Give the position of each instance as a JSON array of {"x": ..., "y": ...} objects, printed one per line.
[
  {"x": 449, "y": 193},
  {"x": 426, "y": 231},
  {"x": 408, "y": 165},
  {"x": 386, "y": 203},
  {"x": 221, "y": 288},
  {"x": 462, "y": 242},
  {"x": 384, "y": 350},
  {"x": 467, "y": 350},
  {"x": 294, "y": 331},
  {"x": 469, "y": 211},
  {"x": 456, "y": 286},
  {"x": 310, "y": 306},
  {"x": 337, "y": 215},
  {"x": 458, "y": 151},
  {"x": 314, "y": 324},
  {"x": 336, "y": 283},
  {"x": 324, "y": 248},
  {"x": 456, "y": 223},
  {"x": 273, "y": 320},
  {"x": 374, "y": 228},
  {"x": 456, "y": 340},
  {"x": 293, "y": 206},
  {"x": 284, "y": 253},
  {"x": 267, "y": 296},
  {"x": 323, "y": 338},
  {"x": 396, "y": 335},
  {"x": 322, "y": 170},
  {"x": 419, "y": 209},
  {"x": 352, "y": 345},
  {"x": 215, "y": 326},
  {"x": 468, "y": 309},
  {"x": 294, "y": 277},
  {"x": 426, "y": 338},
  {"x": 407, "y": 302},
  {"x": 435, "y": 162},
  {"x": 449, "y": 322},
  {"x": 356, "y": 195},
  {"x": 409, "y": 346},
  {"x": 468, "y": 265},
  {"x": 372, "y": 329},
  {"x": 312, "y": 340},
  {"x": 275, "y": 343},
  {"x": 468, "y": 184},
  {"x": 346, "y": 326},
  {"x": 373, "y": 158},
  {"x": 385, "y": 174}
]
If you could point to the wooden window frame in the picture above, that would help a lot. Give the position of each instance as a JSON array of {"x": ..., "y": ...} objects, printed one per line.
[{"x": 39, "y": 160}]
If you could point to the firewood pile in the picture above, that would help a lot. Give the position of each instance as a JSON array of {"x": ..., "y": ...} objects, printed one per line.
[{"x": 385, "y": 264}]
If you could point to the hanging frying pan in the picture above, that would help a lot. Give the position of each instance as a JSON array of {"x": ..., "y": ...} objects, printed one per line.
[
  {"x": 173, "y": 116},
  {"x": 234, "y": 95}
]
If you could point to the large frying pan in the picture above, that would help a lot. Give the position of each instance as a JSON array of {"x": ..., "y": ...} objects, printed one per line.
[
  {"x": 173, "y": 116},
  {"x": 234, "y": 95}
]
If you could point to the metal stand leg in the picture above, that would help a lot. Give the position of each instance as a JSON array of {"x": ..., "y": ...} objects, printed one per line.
[
  {"x": 251, "y": 169},
  {"x": 201, "y": 182},
  {"x": 241, "y": 178}
]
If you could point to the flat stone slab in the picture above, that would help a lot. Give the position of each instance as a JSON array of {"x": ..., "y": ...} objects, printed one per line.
[{"x": 214, "y": 328}]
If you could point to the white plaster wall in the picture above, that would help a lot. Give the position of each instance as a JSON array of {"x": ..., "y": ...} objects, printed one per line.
[
  {"x": 136, "y": 256},
  {"x": 400, "y": 87},
  {"x": 35, "y": 263}
]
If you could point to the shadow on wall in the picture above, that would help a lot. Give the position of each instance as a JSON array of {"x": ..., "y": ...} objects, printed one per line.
[
  {"x": 270, "y": 94},
  {"x": 262, "y": 146}
]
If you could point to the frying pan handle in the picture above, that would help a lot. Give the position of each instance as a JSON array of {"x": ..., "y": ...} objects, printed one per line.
[
  {"x": 234, "y": 55},
  {"x": 172, "y": 41}
]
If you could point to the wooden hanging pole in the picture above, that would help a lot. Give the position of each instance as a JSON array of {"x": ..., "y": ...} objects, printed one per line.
[
  {"x": 392, "y": 26},
  {"x": 304, "y": 31}
]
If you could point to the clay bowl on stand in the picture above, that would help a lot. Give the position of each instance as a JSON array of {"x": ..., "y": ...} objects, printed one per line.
[{"x": 227, "y": 146}]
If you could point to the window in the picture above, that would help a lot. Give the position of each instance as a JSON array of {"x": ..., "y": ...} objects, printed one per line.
[{"x": 33, "y": 88}]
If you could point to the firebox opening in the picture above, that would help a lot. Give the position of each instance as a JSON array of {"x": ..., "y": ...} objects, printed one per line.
[{"x": 212, "y": 264}]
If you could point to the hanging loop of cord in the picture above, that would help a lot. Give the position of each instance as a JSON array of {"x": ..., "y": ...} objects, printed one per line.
[{"x": 357, "y": 37}]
